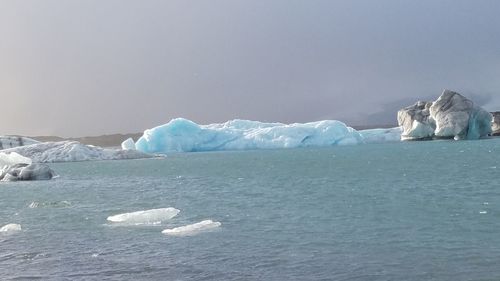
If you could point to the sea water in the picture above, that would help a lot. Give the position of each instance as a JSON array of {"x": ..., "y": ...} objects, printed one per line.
[{"x": 399, "y": 211}]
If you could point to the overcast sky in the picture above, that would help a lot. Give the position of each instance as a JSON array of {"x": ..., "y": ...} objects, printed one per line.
[{"x": 90, "y": 67}]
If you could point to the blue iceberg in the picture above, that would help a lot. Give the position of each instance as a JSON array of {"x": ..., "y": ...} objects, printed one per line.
[{"x": 182, "y": 135}]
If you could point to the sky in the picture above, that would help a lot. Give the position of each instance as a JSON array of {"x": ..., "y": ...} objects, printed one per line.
[{"x": 92, "y": 67}]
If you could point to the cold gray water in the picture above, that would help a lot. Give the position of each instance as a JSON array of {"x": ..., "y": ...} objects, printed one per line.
[{"x": 399, "y": 211}]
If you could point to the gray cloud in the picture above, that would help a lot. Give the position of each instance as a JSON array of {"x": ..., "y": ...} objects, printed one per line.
[{"x": 91, "y": 67}]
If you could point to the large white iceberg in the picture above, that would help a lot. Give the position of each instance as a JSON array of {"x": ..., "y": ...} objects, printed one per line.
[
  {"x": 69, "y": 151},
  {"x": 450, "y": 116},
  {"x": 182, "y": 135}
]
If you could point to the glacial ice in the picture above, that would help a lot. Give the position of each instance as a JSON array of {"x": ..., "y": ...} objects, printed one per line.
[
  {"x": 450, "y": 116},
  {"x": 381, "y": 135},
  {"x": 11, "y": 227},
  {"x": 128, "y": 144},
  {"x": 182, "y": 135},
  {"x": 145, "y": 217},
  {"x": 13, "y": 158},
  {"x": 416, "y": 121},
  {"x": 15, "y": 167},
  {"x": 15, "y": 141},
  {"x": 192, "y": 229},
  {"x": 26, "y": 172},
  {"x": 68, "y": 151}
]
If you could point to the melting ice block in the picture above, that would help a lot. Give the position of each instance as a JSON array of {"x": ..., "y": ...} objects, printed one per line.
[
  {"x": 146, "y": 216},
  {"x": 192, "y": 229},
  {"x": 11, "y": 227}
]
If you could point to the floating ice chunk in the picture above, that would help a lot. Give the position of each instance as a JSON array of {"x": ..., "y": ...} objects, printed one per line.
[
  {"x": 11, "y": 227},
  {"x": 182, "y": 135},
  {"x": 192, "y": 229},
  {"x": 416, "y": 122},
  {"x": 25, "y": 172},
  {"x": 145, "y": 217},
  {"x": 450, "y": 116},
  {"x": 128, "y": 144},
  {"x": 69, "y": 151}
]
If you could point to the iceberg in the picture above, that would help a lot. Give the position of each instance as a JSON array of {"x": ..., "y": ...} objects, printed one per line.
[
  {"x": 192, "y": 229},
  {"x": 16, "y": 167},
  {"x": 182, "y": 135},
  {"x": 11, "y": 227},
  {"x": 145, "y": 217},
  {"x": 69, "y": 151},
  {"x": 15, "y": 141},
  {"x": 457, "y": 117},
  {"x": 26, "y": 172},
  {"x": 450, "y": 116}
]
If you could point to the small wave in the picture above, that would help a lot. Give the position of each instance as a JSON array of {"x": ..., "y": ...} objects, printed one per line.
[
  {"x": 153, "y": 216},
  {"x": 192, "y": 229}
]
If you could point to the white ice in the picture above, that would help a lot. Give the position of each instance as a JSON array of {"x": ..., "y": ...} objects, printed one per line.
[
  {"x": 192, "y": 229},
  {"x": 381, "y": 135},
  {"x": 182, "y": 135},
  {"x": 69, "y": 151},
  {"x": 13, "y": 158},
  {"x": 11, "y": 227},
  {"x": 145, "y": 217},
  {"x": 14, "y": 141},
  {"x": 128, "y": 144}
]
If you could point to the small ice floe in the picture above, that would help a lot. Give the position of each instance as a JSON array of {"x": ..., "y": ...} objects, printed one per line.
[
  {"x": 483, "y": 212},
  {"x": 11, "y": 227},
  {"x": 153, "y": 216},
  {"x": 192, "y": 229}
]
